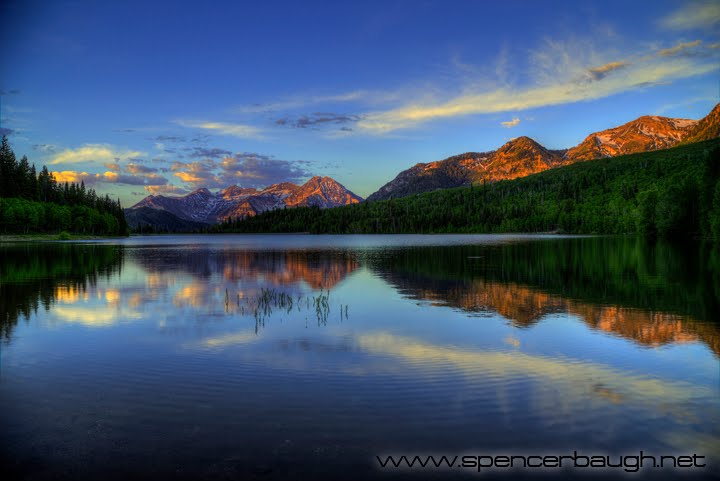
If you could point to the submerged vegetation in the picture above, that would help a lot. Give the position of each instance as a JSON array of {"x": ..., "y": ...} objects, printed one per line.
[
  {"x": 32, "y": 202},
  {"x": 666, "y": 193}
]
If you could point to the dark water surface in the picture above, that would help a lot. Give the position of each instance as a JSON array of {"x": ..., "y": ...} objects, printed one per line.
[{"x": 304, "y": 357}]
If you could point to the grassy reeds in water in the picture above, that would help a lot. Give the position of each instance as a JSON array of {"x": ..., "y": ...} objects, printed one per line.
[{"x": 262, "y": 305}]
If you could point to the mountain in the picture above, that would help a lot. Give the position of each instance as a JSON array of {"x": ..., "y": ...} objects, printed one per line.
[
  {"x": 160, "y": 220},
  {"x": 523, "y": 156},
  {"x": 322, "y": 192},
  {"x": 195, "y": 206},
  {"x": 706, "y": 129},
  {"x": 641, "y": 135},
  {"x": 517, "y": 158},
  {"x": 204, "y": 207}
]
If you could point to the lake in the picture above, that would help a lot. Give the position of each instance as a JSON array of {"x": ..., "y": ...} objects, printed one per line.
[{"x": 305, "y": 357}]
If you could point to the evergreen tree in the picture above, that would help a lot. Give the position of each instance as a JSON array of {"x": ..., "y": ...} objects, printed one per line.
[
  {"x": 34, "y": 189},
  {"x": 22, "y": 179},
  {"x": 7, "y": 170},
  {"x": 45, "y": 185}
]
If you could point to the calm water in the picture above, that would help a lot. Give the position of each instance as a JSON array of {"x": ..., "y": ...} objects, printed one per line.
[{"x": 303, "y": 357}]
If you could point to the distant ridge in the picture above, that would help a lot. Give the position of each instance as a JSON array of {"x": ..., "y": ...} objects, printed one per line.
[
  {"x": 203, "y": 207},
  {"x": 147, "y": 218},
  {"x": 524, "y": 156}
]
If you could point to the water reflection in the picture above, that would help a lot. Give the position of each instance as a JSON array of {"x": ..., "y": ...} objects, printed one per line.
[
  {"x": 59, "y": 275},
  {"x": 577, "y": 379},
  {"x": 653, "y": 294},
  {"x": 275, "y": 268},
  {"x": 206, "y": 358}
]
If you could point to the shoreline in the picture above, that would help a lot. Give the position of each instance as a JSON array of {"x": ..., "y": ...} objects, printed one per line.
[{"x": 13, "y": 238}]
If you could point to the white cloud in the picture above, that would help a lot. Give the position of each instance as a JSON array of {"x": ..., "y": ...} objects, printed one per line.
[
  {"x": 510, "y": 123},
  {"x": 236, "y": 130},
  {"x": 93, "y": 152},
  {"x": 304, "y": 101},
  {"x": 695, "y": 15}
]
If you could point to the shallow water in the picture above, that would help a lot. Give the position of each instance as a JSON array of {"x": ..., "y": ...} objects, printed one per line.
[{"x": 281, "y": 357}]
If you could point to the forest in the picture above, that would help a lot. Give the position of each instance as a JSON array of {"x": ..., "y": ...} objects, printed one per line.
[
  {"x": 667, "y": 193},
  {"x": 32, "y": 202}
]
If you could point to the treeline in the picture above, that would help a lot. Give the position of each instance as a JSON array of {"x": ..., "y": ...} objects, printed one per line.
[
  {"x": 667, "y": 193},
  {"x": 32, "y": 202}
]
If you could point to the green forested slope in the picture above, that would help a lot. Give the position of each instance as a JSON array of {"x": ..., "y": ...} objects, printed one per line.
[
  {"x": 673, "y": 192},
  {"x": 33, "y": 202}
]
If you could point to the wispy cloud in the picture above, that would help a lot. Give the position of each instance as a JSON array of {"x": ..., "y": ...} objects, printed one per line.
[
  {"x": 559, "y": 75},
  {"x": 139, "y": 169},
  {"x": 693, "y": 16},
  {"x": 317, "y": 119},
  {"x": 45, "y": 148},
  {"x": 678, "y": 49},
  {"x": 207, "y": 153},
  {"x": 165, "y": 189},
  {"x": 132, "y": 179},
  {"x": 93, "y": 152},
  {"x": 598, "y": 73},
  {"x": 510, "y": 123},
  {"x": 687, "y": 103},
  {"x": 169, "y": 138},
  {"x": 223, "y": 128},
  {"x": 302, "y": 101}
]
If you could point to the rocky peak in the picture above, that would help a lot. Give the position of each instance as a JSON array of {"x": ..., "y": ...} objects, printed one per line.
[
  {"x": 322, "y": 192},
  {"x": 203, "y": 191},
  {"x": 234, "y": 192},
  {"x": 235, "y": 202},
  {"x": 522, "y": 146},
  {"x": 646, "y": 133}
]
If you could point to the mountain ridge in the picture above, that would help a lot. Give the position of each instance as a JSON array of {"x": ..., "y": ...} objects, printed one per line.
[
  {"x": 203, "y": 206},
  {"x": 523, "y": 156}
]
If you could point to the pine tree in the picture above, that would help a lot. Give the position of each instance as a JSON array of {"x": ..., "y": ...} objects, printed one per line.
[
  {"x": 22, "y": 178},
  {"x": 34, "y": 189},
  {"x": 7, "y": 170},
  {"x": 45, "y": 185}
]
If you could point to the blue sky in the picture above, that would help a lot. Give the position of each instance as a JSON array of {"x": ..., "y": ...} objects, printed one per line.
[{"x": 139, "y": 97}]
